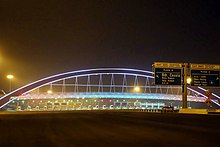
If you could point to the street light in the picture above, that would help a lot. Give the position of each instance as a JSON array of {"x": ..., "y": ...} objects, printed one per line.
[
  {"x": 10, "y": 77},
  {"x": 188, "y": 80},
  {"x": 49, "y": 91},
  {"x": 136, "y": 89}
]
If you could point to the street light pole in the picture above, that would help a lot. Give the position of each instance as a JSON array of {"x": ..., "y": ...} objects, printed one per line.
[
  {"x": 184, "y": 86},
  {"x": 10, "y": 77}
]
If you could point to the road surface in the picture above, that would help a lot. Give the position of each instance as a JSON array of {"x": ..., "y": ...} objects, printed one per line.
[{"x": 108, "y": 128}]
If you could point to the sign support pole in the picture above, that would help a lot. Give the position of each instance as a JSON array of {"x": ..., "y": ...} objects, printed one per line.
[{"x": 184, "y": 86}]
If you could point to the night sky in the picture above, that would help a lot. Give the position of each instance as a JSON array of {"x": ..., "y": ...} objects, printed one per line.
[{"x": 39, "y": 38}]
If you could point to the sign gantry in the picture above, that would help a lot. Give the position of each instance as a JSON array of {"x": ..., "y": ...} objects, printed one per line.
[{"x": 204, "y": 75}]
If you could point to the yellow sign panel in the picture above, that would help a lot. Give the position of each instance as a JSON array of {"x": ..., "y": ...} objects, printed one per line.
[
  {"x": 167, "y": 65},
  {"x": 205, "y": 66}
]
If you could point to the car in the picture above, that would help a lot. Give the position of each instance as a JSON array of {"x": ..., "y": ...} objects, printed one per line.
[{"x": 168, "y": 108}]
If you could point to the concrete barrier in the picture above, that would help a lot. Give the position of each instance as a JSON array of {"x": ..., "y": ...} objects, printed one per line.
[
  {"x": 214, "y": 111},
  {"x": 217, "y": 110},
  {"x": 193, "y": 111}
]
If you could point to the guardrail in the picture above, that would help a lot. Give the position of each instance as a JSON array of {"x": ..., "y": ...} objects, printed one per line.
[{"x": 148, "y": 110}]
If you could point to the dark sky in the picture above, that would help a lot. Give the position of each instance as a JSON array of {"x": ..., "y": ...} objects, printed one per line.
[{"x": 39, "y": 38}]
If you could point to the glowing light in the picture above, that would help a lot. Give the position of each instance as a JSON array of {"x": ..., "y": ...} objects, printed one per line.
[
  {"x": 189, "y": 80},
  {"x": 49, "y": 91},
  {"x": 10, "y": 76},
  {"x": 136, "y": 89}
]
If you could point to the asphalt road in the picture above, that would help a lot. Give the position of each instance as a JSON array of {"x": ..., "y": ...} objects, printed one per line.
[{"x": 108, "y": 128}]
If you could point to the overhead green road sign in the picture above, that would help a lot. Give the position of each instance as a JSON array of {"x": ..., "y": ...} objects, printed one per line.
[
  {"x": 209, "y": 78},
  {"x": 167, "y": 76},
  {"x": 206, "y": 75}
]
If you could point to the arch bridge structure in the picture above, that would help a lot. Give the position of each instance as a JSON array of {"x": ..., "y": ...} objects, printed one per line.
[{"x": 101, "y": 88}]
